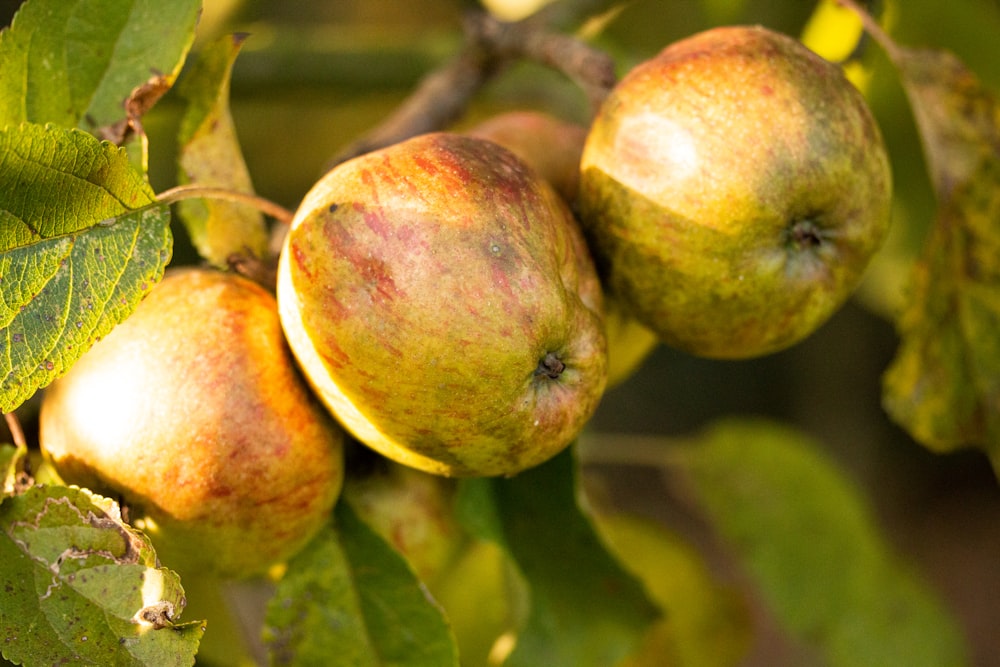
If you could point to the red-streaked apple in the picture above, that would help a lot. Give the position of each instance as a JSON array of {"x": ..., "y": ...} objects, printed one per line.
[
  {"x": 444, "y": 307},
  {"x": 194, "y": 413},
  {"x": 552, "y": 147}
]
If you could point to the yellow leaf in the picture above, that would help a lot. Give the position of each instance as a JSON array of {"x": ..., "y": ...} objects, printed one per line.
[{"x": 211, "y": 156}]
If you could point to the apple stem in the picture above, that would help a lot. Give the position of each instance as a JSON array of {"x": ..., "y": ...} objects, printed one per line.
[{"x": 196, "y": 191}]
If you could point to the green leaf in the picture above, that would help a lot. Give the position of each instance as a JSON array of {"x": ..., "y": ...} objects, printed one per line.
[
  {"x": 351, "y": 598},
  {"x": 82, "y": 588},
  {"x": 814, "y": 550},
  {"x": 81, "y": 241},
  {"x": 211, "y": 156},
  {"x": 75, "y": 63},
  {"x": 12, "y": 461},
  {"x": 944, "y": 384},
  {"x": 705, "y": 623},
  {"x": 585, "y": 608}
]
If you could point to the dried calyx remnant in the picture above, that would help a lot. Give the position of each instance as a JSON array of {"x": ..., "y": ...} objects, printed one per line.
[
  {"x": 550, "y": 366},
  {"x": 805, "y": 233}
]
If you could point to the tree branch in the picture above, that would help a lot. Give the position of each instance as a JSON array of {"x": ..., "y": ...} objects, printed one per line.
[{"x": 490, "y": 46}]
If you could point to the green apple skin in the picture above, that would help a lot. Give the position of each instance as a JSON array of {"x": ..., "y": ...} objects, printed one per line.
[
  {"x": 193, "y": 412},
  {"x": 444, "y": 307},
  {"x": 413, "y": 511},
  {"x": 733, "y": 189},
  {"x": 553, "y": 147}
]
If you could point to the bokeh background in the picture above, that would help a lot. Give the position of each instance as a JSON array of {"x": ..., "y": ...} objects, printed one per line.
[{"x": 315, "y": 74}]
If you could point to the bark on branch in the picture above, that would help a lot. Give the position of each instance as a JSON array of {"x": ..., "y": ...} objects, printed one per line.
[{"x": 490, "y": 46}]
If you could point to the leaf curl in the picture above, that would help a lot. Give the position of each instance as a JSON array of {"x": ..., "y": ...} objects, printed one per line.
[{"x": 83, "y": 588}]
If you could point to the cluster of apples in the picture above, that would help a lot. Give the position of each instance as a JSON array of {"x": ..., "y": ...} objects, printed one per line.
[{"x": 459, "y": 302}]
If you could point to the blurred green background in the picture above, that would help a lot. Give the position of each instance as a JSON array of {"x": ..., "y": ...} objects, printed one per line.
[{"x": 315, "y": 74}]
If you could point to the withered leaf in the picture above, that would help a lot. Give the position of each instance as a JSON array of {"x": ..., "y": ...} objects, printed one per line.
[{"x": 944, "y": 384}]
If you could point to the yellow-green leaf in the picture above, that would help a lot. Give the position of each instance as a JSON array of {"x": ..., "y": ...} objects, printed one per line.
[
  {"x": 82, "y": 239},
  {"x": 836, "y": 33},
  {"x": 352, "y": 599},
  {"x": 83, "y": 588},
  {"x": 944, "y": 384},
  {"x": 813, "y": 549},
  {"x": 76, "y": 62},
  {"x": 11, "y": 468},
  {"x": 832, "y": 31},
  {"x": 585, "y": 608},
  {"x": 211, "y": 156},
  {"x": 705, "y": 623}
]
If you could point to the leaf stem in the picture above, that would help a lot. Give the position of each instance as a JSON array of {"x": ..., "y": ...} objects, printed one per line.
[
  {"x": 196, "y": 191},
  {"x": 873, "y": 28},
  {"x": 629, "y": 449},
  {"x": 14, "y": 426}
]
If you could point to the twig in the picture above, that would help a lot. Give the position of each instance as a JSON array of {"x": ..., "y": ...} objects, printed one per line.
[
  {"x": 263, "y": 272},
  {"x": 591, "y": 69},
  {"x": 629, "y": 449},
  {"x": 490, "y": 46},
  {"x": 438, "y": 100},
  {"x": 873, "y": 28}
]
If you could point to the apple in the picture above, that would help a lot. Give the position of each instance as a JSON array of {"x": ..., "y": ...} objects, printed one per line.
[
  {"x": 553, "y": 147},
  {"x": 733, "y": 189},
  {"x": 444, "y": 307},
  {"x": 412, "y": 510},
  {"x": 485, "y": 600},
  {"x": 193, "y": 412},
  {"x": 548, "y": 144}
]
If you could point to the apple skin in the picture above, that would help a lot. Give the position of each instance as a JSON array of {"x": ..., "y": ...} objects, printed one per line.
[
  {"x": 733, "y": 190},
  {"x": 553, "y": 147},
  {"x": 444, "y": 307},
  {"x": 412, "y": 510},
  {"x": 548, "y": 144},
  {"x": 193, "y": 411}
]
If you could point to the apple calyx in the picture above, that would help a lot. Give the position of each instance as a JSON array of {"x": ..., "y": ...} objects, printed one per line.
[
  {"x": 550, "y": 366},
  {"x": 805, "y": 234}
]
